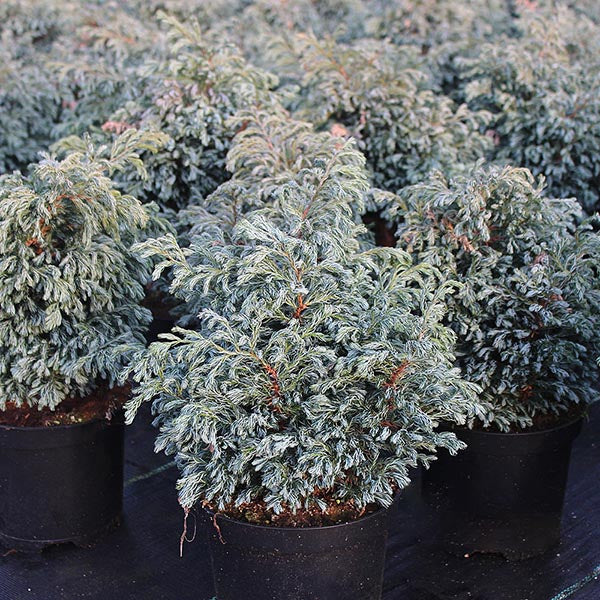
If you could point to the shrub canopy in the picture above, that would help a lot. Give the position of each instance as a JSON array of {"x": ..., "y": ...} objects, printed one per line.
[
  {"x": 543, "y": 90},
  {"x": 318, "y": 370},
  {"x": 527, "y": 314},
  {"x": 70, "y": 285}
]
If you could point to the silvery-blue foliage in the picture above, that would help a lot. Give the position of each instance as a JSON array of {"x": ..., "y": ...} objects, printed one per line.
[
  {"x": 30, "y": 107},
  {"x": 198, "y": 86},
  {"x": 374, "y": 91},
  {"x": 271, "y": 149},
  {"x": 316, "y": 367},
  {"x": 70, "y": 285},
  {"x": 543, "y": 90},
  {"x": 527, "y": 314}
]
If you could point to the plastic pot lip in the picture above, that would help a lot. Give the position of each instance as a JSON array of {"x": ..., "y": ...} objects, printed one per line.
[
  {"x": 296, "y": 530},
  {"x": 520, "y": 434},
  {"x": 114, "y": 420},
  {"x": 44, "y": 438},
  {"x": 498, "y": 443},
  {"x": 65, "y": 427}
]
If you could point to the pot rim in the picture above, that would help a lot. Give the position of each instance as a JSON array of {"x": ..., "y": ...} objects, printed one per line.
[
  {"x": 296, "y": 530},
  {"x": 525, "y": 433},
  {"x": 113, "y": 420},
  {"x": 118, "y": 412}
]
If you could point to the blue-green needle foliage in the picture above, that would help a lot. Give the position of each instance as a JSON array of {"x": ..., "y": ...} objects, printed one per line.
[
  {"x": 317, "y": 368},
  {"x": 430, "y": 24},
  {"x": 65, "y": 67},
  {"x": 371, "y": 90},
  {"x": 270, "y": 149},
  {"x": 202, "y": 83},
  {"x": 98, "y": 64},
  {"x": 33, "y": 25},
  {"x": 543, "y": 90},
  {"x": 70, "y": 285},
  {"x": 29, "y": 110},
  {"x": 527, "y": 315}
]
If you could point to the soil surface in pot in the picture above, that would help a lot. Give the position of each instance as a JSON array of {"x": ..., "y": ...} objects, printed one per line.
[
  {"x": 101, "y": 404},
  {"x": 541, "y": 422},
  {"x": 257, "y": 513}
]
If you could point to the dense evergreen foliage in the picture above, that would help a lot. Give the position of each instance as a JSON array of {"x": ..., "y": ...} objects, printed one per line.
[
  {"x": 528, "y": 313},
  {"x": 318, "y": 371},
  {"x": 29, "y": 109},
  {"x": 200, "y": 84},
  {"x": 309, "y": 362},
  {"x": 270, "y": 148},
  {"x": 393, "y": 74},
  {"x": 372, "y": 91},
  {"x": 543, "y": 89},
  {"x": 70, "y": 285}
]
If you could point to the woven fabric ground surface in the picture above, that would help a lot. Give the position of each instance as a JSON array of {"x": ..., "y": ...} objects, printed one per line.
[{"x": 140, "y": 560}]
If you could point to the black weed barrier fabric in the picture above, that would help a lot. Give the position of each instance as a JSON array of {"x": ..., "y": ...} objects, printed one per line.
[{"x": 140, "y": 560}]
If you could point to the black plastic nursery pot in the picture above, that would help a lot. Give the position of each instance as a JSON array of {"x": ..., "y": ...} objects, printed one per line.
[
  {"x": 504, "y": 494},
  {"x": 339, "y": 562},
  {"x": 60, "y": 484}
]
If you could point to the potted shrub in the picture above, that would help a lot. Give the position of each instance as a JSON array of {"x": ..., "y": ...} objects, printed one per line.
[
  {"x": 192, "y": 92},
  {"x": 70, "y": 314},
  {"x": 376, "y": 91},
  {"x": 527, "y": 319},
  {"x": 542, "y": 91},
  {"x": 313, "y": 383}
]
